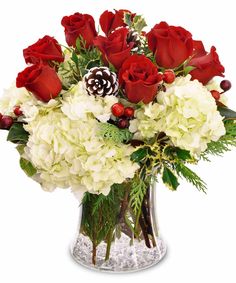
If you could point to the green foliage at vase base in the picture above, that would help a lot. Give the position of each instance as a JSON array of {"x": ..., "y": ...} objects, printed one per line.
[{"x": 100, "y": 214}]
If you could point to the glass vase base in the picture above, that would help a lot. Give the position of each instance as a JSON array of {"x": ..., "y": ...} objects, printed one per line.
[{"x": 124, "y": 256}]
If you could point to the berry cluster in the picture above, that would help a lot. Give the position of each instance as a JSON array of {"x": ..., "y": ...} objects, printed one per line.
[
  {"x": 123, "y": 114},
  {"x": 225, "y": 85},
  {"x": 7, "y": 121}
]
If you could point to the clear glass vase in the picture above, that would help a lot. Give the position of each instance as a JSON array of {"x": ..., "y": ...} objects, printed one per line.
[{"x": 112, "y": 238}]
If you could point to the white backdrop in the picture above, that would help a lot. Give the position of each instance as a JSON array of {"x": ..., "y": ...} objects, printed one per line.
[{"x": 36, "y": 227}]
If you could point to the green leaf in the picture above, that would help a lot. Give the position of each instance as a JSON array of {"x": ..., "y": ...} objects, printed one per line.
[
  {"x": 169, "y": 179},
  {"x": 17, "y": 134},
  {"x": 128, "y": 19},
  {"x": 139, "y": 23},
  {"x": 227, "y": 113},
  {"x": 139, "y": 154},
  {"x": 27, "y": 167},
  {"x": 183, "y": 154},
  {"x": 188, "y": 69},
  {"x": 20, "y": 148},
  {"x": 93, "y": 63},
  {"x": 75, "y": 58}
]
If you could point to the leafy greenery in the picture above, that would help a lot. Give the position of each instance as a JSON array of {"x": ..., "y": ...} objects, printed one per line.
[
  {"x": 137, "y": 193},
  {"x": 227, "y": 113},
  {"x": 138, "y": 23},
  {"x": 100, "y": 214},
  {"x": 183, "y": 171},
  {"x": 169, "y": 179},
  {"x": 111, "y": 132},
  {"x": 17, "y": 134},
  {"x": 224, "y": 144},
  {"x": 27, "y": 167}
]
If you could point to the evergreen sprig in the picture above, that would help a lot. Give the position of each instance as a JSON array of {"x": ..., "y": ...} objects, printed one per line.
[
  {"x": 137, "y": 193},
  {"x": 113, "y": 133},
  {"x": 224, "y": 144}
]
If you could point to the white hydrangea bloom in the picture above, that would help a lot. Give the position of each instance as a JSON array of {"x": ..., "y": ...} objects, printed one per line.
[
  {"x": 12, "y": 97},
  {"x": 77, "y": 104},
  {"x": 29, "y": 105},
  {"x": 69, "y": 153},
  {"x": 186, "y": 112}
]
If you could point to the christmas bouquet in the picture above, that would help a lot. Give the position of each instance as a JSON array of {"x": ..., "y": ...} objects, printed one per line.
[{"x": 107, "y": 116}]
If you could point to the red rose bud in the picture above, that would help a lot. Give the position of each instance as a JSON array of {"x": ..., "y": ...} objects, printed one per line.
[
  {"x": 114, "y": 48},
  {"x": 129, "y": 112},
  {"x": 207, "y": 65},
  {"x": 79, "y": 25},
  {"x": 41, "y": 80},
  {"x": 17, "y": 111},
  {"x": 118, "y": 109},
  {"x": 109, "y": 21},
  {"x": 225, "y": 85},
  {"x": 215, "y": 94},
  {"x": 169, "y": 76},
  {"x": 171, "y": 45},
  {"x": 45, "y": 49},
  {"x": 6, "y": 122},
  {"x": 139, "y": 79},
  {"x": 122, "y": 124}
]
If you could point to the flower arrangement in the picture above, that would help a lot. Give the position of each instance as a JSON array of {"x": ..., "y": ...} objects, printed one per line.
[{"x": 108, "y": 114}]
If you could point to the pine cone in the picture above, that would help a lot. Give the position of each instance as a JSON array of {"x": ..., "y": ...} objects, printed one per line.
[
  {"x": 101, "y": 81},
  {"x": 133, "y": 36}
]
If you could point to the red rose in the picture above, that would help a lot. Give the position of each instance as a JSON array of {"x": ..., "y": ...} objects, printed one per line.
[
  {"x": 207, "y": 65},
  {"x": 109, "y": 21},
  {"x": 114, "y": 48},
  {"x": 79, "y": 25},
  {"x": 171, "y": 45},
  {"x": 41, "y": 80},
  {"x": 45, "y": 49},
  {"x": 139, "y": 78}
]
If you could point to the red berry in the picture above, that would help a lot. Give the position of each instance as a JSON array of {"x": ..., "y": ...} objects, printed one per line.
[
  {"x": 129, "y": 112},
  {"x": 122, "y": 124},
  {"x": 18, "y": 111},
  {"x": 6, "y": 122},
  {"x": 169, "y": 76},
  {"x": 225, "y": 85},
  {"x": 215, "y": 94},
  {"x": 118, "y": 109}
]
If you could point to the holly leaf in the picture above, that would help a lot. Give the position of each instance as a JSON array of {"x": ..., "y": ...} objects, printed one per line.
[
  {"x": 27, "y": 167},
  {"x": 139, "y": 23},
  {"x": 139, "y": 154},
  {"x": 17, "y": 134},
  {"x": 127, "y": 19},
  {"x": 183, "y": 154},
  {"x": 227, "y": 113},
  {"x": 169, "y": 179}
]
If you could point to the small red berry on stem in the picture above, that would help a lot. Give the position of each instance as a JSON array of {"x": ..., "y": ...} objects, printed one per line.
[
  {"x": 169, "y": 76},
  {"x": 118, "y": 109},
  {"x": 215, "y": 94},
  {"x": 129, "y": 112},
  {"x": 123, "y": 123},
  {"x": 6, "y": 122},
  {"x": 17, "y": 111},
  {"x": 225, "y": 85}
]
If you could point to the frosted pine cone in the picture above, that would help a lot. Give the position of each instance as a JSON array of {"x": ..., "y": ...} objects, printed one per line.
[
  {"x": 101, "y": 81},
  {"x": 133, "y": 36}
]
